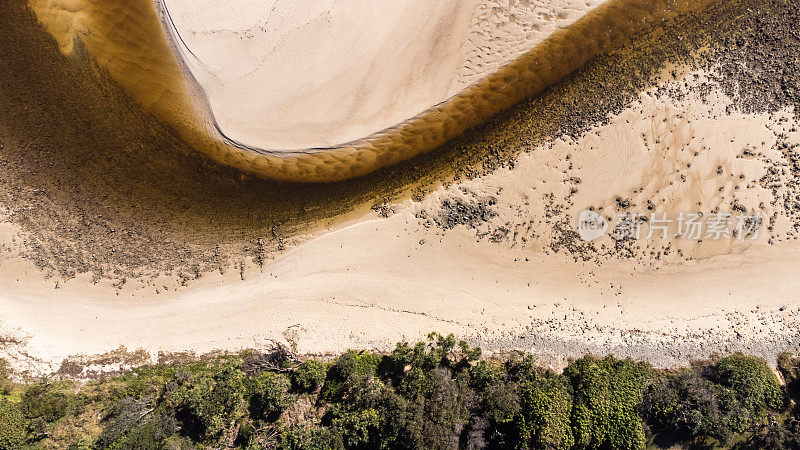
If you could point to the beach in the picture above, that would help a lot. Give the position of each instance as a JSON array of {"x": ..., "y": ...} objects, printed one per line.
[{"x": 135, "y": 238}]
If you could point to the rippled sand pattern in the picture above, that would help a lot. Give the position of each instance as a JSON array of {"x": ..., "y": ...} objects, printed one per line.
[
  {"x": 502, "y": 30},
  {"x": 127, "y": 39}
]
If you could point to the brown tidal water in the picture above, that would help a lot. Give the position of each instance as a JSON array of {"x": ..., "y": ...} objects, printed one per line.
[
  {"x": 126, "y": 37},
  {"x": 108, "y": 166}
]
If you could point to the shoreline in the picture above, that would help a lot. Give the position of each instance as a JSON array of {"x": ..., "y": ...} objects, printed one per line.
[{"x": 396, "y": 268}]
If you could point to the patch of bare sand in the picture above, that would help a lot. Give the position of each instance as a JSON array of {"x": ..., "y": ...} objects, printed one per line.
[
  {"x": 314, "y": 74},
  {"x": 505, "y": 268}
]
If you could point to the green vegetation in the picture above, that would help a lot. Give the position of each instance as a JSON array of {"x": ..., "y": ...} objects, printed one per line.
[
  {"x": 715, "y": 399},
  {"x": 438, "y": 394},
  {"x": 12, "y": 425}
]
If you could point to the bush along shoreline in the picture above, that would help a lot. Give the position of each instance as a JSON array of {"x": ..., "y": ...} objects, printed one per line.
[{"x": 436, "y": 394}]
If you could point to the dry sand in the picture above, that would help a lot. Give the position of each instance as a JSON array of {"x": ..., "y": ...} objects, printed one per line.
[
  {"x": 493, "y": 256},
  {"x": 498, "y": 279},
  {"x": 314, "y": 74}
]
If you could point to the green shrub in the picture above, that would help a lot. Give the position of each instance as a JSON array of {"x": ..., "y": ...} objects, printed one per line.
[
  {"x": 80, "y": 444},
  {"x": 359, "y": 428},
  {"x": 607, "y": 395},
  {"x": 437, "y": 413},
  {"x": 348, "y": 371},
  {"x": 715, "y": 400},
  {"x": 5, "y": 378},
  {"x": 545, "y": 410},
  {"x": 269, "y": 396},
  {"x": 493, "y": 417},
  {"x": 433, "y": 394},
  {"x": 500, "y": 402},
  {"x": 433, "y": 379},
  {"x": 308, "y": 437},
  {"x": 45, "y": 401},
  {"x": 309, "y": 376},
  {"x": 143, "y": 382},
  {"x": 362, "y": 411},
  {"x": 789, "y": 367},
  {"x": 133, "y": 423},
  {"x": 485, "y": 374},
  {"x": 148, "y": 435},
  {"x": 752, "y": 381},
  {"x": 775, "y": 435},
  {"x": 209, "y": 401},
  {"x": 12, "y": 426},
  {"x": 687, "y": 405},
  {"x": 406, "y": 366}
]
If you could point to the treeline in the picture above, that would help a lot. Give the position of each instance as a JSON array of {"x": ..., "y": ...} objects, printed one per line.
[{"x": 438, "y": 394}]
